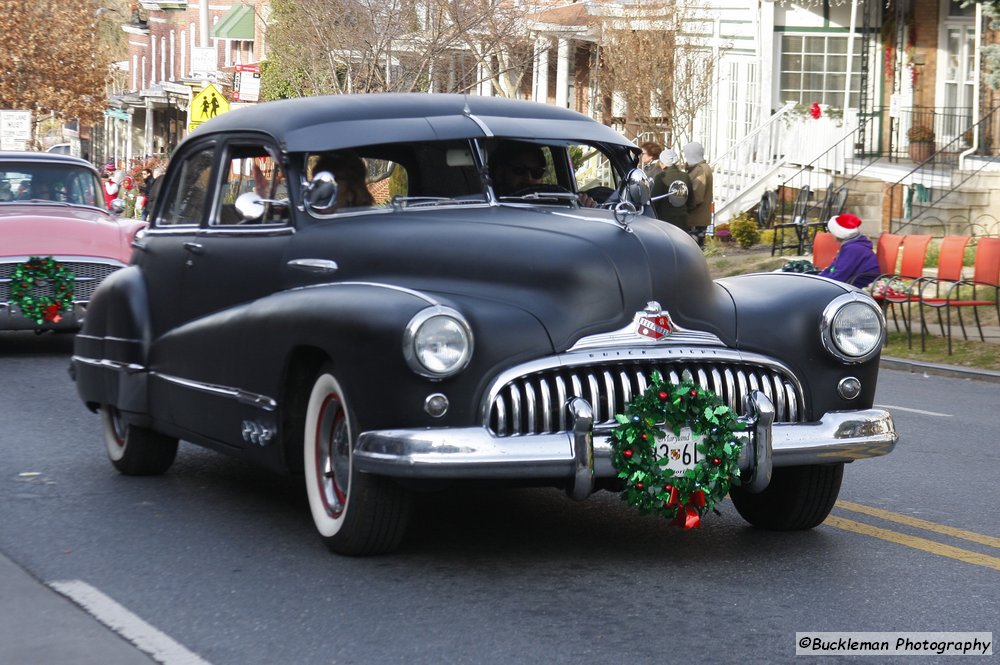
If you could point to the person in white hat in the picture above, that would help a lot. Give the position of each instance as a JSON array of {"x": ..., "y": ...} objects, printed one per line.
[
  {"x": 702, "y": 193},
  {"x": 855, "y": 262},
  {"x": 671, "y": 191}
]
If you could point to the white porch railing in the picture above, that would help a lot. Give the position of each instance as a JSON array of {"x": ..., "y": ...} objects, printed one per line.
[{"x": 813, "y": 149}]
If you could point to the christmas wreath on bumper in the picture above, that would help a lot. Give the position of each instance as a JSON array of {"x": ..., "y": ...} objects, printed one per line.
[
  {"x": 35, "y": 274},
  {"x": 677, "y": 451}
]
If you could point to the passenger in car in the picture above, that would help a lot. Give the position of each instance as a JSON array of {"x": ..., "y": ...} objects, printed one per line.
[{"x": 350, "y": 172}]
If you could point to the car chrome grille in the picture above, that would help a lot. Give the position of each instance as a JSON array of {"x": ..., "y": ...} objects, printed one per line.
[
  {"x": 88, "y": 275},
  {"x": 535, "y": 403}
]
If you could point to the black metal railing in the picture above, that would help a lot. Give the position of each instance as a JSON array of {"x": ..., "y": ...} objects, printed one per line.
[{"x": 916, "y": 199}]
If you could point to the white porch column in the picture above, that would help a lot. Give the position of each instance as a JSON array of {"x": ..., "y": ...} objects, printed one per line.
[
  {"x": 562, "y": 73},
  {"x": 149, "y": 127},
  {"x": 128, "y": 137},
  {"x": 542, "y": 47},
  {"x": 109, "y": 127}
]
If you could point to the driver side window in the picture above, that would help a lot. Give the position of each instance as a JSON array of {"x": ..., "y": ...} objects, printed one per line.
[
  {"x": 188, "y": 200},
  {"x": 252, "y": 169}
]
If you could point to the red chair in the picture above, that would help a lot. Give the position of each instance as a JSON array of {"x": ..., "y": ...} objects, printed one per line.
[
  {"x": 985, "y": 277},
  {"x": 887, "y": 251},
  {"x": 951, "y": 258},
  {"x": 825, "y": 248},
  {"x": 894, "y": 289}
]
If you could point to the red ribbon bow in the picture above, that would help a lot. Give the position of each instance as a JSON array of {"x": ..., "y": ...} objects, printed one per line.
[{"x": 51, "y": 313}]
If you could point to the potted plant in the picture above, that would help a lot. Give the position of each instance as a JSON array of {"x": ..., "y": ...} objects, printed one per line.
[{"x": 921, "y": 140}]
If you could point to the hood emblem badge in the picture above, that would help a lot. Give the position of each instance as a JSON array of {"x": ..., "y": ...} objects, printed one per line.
[{"x": 653, "y": 323}]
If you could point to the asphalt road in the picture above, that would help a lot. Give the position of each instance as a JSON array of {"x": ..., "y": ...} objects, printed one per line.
[{"x": 217, "y": 560}]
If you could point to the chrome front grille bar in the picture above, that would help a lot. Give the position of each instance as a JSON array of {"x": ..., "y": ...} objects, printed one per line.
[{"x": 533, "y": 401}]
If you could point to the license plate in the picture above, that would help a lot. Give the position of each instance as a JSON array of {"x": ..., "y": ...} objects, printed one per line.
[{"x": 680, "y": 451}]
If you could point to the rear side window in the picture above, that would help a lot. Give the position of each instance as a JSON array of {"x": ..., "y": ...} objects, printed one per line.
[{"x": 188, "y": 200}]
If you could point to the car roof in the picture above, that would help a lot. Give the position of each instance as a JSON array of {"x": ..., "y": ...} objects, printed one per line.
[
  {"x": 46, "y": 157},
  {"x": 340, "y": 121}
]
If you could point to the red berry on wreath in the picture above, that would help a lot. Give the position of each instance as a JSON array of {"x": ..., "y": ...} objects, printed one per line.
[
  {"x": 663, "y": 395},
  {"x": 640, "y": 486},
  {"x": 694, "y": 393},
  {"x": 627, "y": 453},
  {"x": 716, "y": 461},
  {"x": 645, "y": 437}
]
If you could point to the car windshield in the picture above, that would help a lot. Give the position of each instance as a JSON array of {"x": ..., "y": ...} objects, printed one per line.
[
  {"x": 460, "y": 172},
  {"x": 27, "y": 182}
]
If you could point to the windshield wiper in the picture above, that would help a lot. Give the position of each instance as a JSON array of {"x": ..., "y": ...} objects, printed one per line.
[{"x": 400, "y": 202}]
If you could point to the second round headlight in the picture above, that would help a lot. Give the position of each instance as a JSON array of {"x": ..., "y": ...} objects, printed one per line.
[{"x": 437, "y": 342}]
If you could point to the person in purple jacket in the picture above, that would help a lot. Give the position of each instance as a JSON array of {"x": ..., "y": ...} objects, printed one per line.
[{"x": 855, "y": 262}]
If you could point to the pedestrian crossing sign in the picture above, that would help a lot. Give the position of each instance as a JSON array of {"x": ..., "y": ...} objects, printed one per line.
[{"x": 207, "y": 104}]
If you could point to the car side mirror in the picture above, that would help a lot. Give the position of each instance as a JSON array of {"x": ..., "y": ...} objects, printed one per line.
[
  {"x": 249, "y": 206},
  {"x": 321, "y": 194},
  {"x": 117, "y": 206},
  {"x": 635, "y": 189}
]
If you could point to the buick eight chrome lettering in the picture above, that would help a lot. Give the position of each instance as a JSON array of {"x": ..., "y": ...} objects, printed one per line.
[{"x": 385, "y": 293}]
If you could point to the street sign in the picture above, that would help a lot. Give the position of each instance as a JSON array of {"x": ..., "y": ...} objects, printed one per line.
[
  {"x": 15, "y": 130},
  {"x": 204, "y": 61},
  {"x": 206, "y": 105},
  {"x": 246, "y": 83}
]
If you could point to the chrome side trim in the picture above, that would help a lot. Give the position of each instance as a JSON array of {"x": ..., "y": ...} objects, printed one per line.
[
  {"x": 248, "y": 230},
  {"x": 245, "y": 397},
  {"x": 392, "y": 287},
  {"x": 108, "y": 364}
]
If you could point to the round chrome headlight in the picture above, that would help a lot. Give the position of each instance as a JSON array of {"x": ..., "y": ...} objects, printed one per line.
[
  {"x": 437, "y": 342},
  {"x": 853, "y": 327}
]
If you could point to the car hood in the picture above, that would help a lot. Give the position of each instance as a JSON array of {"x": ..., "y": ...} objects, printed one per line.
[
  {"x": 575, "y": 270},
  {"x": 58, "y": 230}
]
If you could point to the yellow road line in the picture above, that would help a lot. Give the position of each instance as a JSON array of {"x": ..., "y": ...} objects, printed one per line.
[
  {"x": 920, "y": 524},
  {"x": 916, "y": 543}
]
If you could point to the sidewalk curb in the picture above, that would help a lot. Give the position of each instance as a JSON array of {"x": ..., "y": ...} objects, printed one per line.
[{"x": 953, "y": 371}]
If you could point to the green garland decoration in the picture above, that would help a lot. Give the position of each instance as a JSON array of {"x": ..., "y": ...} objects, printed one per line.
[
  {"x": 650, "y": 485},
  {"x": 37, "y": 272}
]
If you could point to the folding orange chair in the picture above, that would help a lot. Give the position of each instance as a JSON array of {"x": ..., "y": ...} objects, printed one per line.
[
  {"x": 825, "y": 248},
  {"x": 949, "y": 270},
  {"x": 892, "y": 289},
  {"x": 985, "y": 277}
]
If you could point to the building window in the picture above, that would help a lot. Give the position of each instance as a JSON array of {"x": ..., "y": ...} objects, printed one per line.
[{"x": 814, "y": 69}]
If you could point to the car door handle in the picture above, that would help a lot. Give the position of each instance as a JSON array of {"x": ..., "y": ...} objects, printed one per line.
[
  {"x": 315, "y": 266},
  {"x": 194, "y": 248}
]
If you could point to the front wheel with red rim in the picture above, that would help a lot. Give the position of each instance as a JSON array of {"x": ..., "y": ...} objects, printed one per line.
[{"x": 355, "y": 513}]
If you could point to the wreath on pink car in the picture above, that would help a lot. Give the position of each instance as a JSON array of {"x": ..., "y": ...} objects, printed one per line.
[{"x": 42, "y": 274}]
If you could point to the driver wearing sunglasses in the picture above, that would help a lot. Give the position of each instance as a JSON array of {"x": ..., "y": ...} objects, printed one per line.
[{"x": 516, "y": 166}]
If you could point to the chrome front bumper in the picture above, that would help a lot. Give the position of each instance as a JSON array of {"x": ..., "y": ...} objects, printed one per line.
[{"x": 584, "y": 454}]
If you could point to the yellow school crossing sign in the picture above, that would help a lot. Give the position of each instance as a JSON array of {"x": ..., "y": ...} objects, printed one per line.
[{"x": 206, "y": 105}]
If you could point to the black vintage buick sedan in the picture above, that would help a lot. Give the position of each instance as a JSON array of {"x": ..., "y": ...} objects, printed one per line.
[{"x": 389, "y": 292}]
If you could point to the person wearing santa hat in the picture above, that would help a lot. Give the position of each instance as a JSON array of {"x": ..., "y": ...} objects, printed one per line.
[{"x": 855, "y": 262}]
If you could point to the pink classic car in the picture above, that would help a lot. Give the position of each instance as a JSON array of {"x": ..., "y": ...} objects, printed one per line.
[{"x": 57, "y": 240}]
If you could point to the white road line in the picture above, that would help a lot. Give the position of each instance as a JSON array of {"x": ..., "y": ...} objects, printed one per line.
[
  {"x": 926, "y": 413},
  {"x": 157, "y": 644}
]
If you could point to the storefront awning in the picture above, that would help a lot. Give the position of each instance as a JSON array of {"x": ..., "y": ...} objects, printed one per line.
[{"x": 237, "y": 23}]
